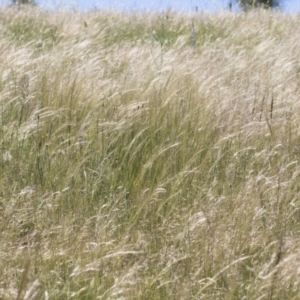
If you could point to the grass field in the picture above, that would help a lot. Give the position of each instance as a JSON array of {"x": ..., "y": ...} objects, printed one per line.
[{"x": 149, "y": 156}]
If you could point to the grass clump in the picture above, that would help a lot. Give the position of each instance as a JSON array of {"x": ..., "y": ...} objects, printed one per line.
[{"x": 137, "y": 164}]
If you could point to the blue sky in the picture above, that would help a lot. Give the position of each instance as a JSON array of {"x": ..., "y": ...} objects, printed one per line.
[{"x": 290, "y": 6}]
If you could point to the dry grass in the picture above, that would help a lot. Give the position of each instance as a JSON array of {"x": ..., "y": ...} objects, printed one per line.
[{"x": 137, "y": 166}]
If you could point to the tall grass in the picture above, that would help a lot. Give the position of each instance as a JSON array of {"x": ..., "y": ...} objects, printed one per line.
[{"x": 149, "y": 156}]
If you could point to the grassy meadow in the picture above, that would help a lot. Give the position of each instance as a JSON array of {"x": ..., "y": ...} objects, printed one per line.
[{"x": 149, "y": 155}]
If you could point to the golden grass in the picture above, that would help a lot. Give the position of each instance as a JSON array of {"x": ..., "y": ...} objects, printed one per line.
[{"x": 137, "y": 166}]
